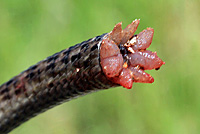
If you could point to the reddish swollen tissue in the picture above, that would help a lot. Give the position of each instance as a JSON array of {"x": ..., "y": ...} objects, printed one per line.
[
  {"x": 108, "y": 48},
  {"x": 144, "y": 39},
  {"x": 140, "y": 75},
  {"x": 145, "y": 59},
  {"x": 124, "y": 78},
  {"x": 112, "y": 65},
  {"x": 124, "y": 57}
]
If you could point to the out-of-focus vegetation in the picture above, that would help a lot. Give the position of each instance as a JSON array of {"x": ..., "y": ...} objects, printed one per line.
[{"x": 32, "y": 30}]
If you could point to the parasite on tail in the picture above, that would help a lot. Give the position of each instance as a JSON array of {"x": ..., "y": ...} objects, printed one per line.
[{"x": 124, "y": 57}]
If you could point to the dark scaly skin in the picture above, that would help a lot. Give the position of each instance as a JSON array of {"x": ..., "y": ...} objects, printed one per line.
[
  {"x": 77, "y": 71},
  {"x": 61, "y": 77}
]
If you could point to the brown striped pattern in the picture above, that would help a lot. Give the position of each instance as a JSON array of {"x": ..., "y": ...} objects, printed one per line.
[{"x": 65, "y": 75}]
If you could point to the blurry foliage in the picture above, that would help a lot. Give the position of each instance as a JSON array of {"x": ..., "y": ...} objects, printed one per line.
[{"x": 33, "y": 30}]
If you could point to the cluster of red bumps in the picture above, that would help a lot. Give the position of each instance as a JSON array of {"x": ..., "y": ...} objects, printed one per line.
[{"x": 126, "y": 69}]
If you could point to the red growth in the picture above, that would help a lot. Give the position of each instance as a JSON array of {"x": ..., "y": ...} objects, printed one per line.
[{"x": 126, "y": 68}]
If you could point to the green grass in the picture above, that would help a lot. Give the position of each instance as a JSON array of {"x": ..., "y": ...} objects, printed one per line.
[{"x": 32, "y": 30}]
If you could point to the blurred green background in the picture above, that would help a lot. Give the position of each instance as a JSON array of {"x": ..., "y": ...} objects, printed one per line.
[{"x": 32, "y": 30}]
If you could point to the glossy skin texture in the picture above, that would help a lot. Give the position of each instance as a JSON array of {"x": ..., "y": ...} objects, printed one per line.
[
  {"x": 111, "y": 57},
  {"x": 124, "y": 56},
  {"x": 146, "y": 59},
  {"x": 143, "y": 40}
]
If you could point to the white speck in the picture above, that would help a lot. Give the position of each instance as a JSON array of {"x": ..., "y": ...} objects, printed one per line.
[
  {"x": 77, "y": 70},
  {"x": 133, "y": 40},
  {"x": 1, "y": 115},
  {"x": 130, "y": 49},
  {"x": 99, "y": 44}
]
